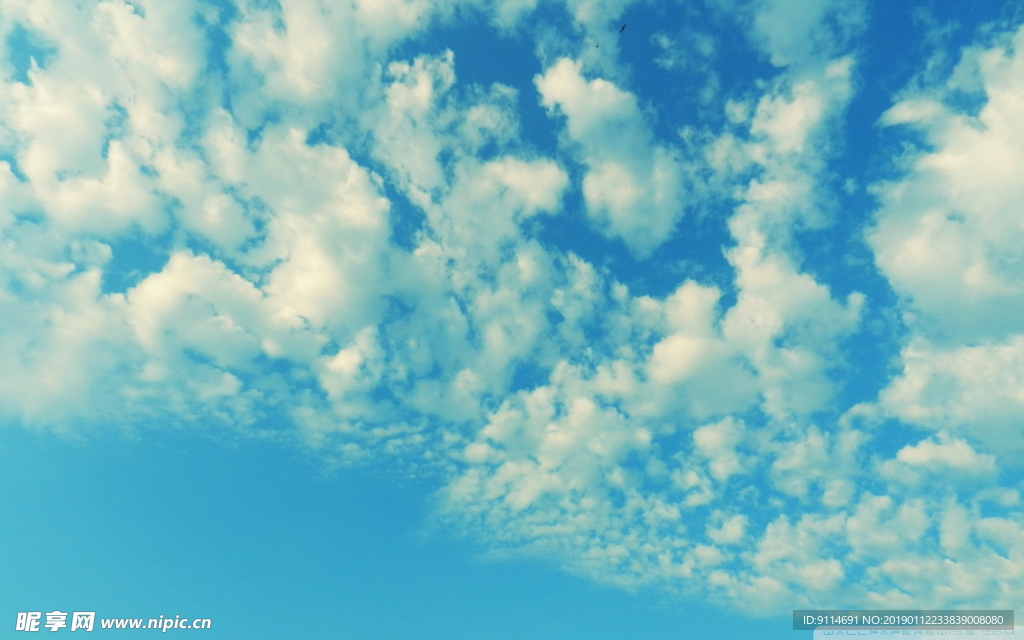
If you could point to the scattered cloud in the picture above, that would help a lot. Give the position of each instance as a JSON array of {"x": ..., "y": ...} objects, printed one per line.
[{"x": 694, "y": 439}]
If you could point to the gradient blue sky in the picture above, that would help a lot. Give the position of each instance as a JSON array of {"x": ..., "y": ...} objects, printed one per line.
[{"x": 481, "y": 319}]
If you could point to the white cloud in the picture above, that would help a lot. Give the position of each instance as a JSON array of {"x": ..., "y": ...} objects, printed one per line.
[
  {"x": 793, "y": 553},
  {"x": 508, "y": 13},
  {"x": 793, "y": 31},
  {"x": 948, "y": 232},
  {"x": 730, "y": 531},
  {"x": 106, "y": 205},
  {"x": 63, "y": 346},
  {"x": 955, "y": 454},
  {"x": 788, "y": 120},
  {"x": 935, "y": 463},
  {"x": 974, "y": 390},
  {"x": 407, "y": 133},
  {"x": 947, "y": 237},
  {"x": 291, "y": 52},
  {"x": 634, "y": 186},
  {"x": 162, "y": 49},
  {"x": 663, "y": 439},
  {"x": 198, "y": 305},
  {"x": 785, "y": 324},
  {"x": 60, "y": 124},
  {"x": 83, "y": 183},
  {"x": 326, "y": 239},
  {"x": 717, "y": 444},
  {"x": 89, "y": 123},
  {"x": 487, "y": 202},
  {"x": 815, "y": 459},
  {"x": 691, "y": 312},
  {"x": 880, "y": 528}
]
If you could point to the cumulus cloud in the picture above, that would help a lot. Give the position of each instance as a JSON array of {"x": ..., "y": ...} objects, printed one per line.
[
  {"x": 785, "y": 323},
  {"x": 634, "y": 187},
  {"x": 946, "y": 237},
  {"x": 947, "y": 233},
  {"x": 955, "y": 455},
  {"x": 973, "y": 390},
  {"x": 687, "y": 439}
]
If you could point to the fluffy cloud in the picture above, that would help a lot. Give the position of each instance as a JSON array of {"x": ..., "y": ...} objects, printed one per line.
[
  {"x": 948, "y": 232},
  {"x": 938, "y": 461},
  {"x": 974, "y": 390},
  {"x": 633, "y": 186},
  {"x": 947, "y": 237},
  {"x": 687, "y": 439},
  {"x": 785, "y": 323}
]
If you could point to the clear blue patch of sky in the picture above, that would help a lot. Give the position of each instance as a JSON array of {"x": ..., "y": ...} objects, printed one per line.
[
  {"x": 217, "y": 39},
  {"x": 12, "y": 162},
  {"x": 528, "y": 374},
  {"x": 673, "y": 94},
  {"x": 262, "y": 541},
  {"x": 22, "y": 47},
  {"x": 891, "y": 435},
  {"x": 133, "y": 258}
]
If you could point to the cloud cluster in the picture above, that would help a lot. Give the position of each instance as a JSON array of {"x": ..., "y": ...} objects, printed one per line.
[
  {"x": 947, "y": 237},
  {"x": 633, "y": 187},
  {"x": 259, "y": 217}
]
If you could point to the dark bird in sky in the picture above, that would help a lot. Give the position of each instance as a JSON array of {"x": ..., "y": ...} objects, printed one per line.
[{"x": 623, "y": 28}]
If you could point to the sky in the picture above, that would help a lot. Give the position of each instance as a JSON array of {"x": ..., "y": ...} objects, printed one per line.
[{"x": 510, "y": 318}]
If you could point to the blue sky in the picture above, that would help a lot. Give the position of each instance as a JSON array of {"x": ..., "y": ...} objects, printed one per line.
[{"x": 467, "y": 318}]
